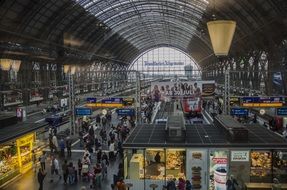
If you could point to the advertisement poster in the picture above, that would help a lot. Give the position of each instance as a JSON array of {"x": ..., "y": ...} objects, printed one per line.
[
  {"x": 218, "y": 170},
  {"x": 197, "y": 168},
  {"x": 162, "y": 90}
]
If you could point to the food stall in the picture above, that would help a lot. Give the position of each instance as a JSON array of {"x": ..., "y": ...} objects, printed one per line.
[{"x": 205, "y": 157}]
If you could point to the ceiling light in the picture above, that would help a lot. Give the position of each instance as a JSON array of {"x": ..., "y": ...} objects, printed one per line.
[
  {"x": 221, "y": 34},
  {"x": 16, "y": 65},
  {"x": 5, "y": 64}
]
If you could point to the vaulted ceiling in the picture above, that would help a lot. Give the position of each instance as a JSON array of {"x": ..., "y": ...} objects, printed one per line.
[{"x": 120, "y": 30}]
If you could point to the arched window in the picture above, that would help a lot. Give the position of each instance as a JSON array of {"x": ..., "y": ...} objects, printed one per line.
[{"x": 166, "y": 61}]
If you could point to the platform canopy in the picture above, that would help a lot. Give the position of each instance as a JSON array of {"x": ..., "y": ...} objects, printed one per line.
[{"x": 121, "y": 30}]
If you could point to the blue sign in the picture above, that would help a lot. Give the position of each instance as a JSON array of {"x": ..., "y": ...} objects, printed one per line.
[
  {"x": 92, "y": 100},
  {"x": 263, "y": 99},
  {"x": 282, "y": 111},
  {"x": 112, "y": 100},
  {"x": 83, "y": 111},
  {"x": 239, "y": 112},
  {"x": 125, "y": 112}
]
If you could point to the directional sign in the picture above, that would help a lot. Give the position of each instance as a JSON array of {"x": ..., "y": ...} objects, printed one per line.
[
  {"x": 83, "y": 111},
  {"x": 239, "y": 111},
  {"x": 112, "y": 100},
  {"x": 282, "y": 111},
  {"x": 92, "y": 100},
  {"x": 125, "y": 112}
]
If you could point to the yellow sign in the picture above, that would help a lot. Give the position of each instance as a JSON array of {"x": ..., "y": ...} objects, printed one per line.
[
  {"x": 25, "y": 140},
  {"x": 105, "y": 105},
  {"x": 261, "y": 105}
]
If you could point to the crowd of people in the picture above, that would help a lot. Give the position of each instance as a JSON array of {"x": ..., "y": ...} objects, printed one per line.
[{"x": 102, "y": 144}]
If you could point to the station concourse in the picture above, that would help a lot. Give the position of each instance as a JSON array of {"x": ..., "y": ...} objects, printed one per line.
[{"x": 143, "y": 94}]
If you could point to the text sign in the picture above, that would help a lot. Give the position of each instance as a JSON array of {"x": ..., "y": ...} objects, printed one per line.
[
  {"x": 239, "y": 111},
  {"x": 239, "y": 156},
  {"x": 83, "y": 111},
  {"x": 281, "y": 111},
  {"x": 92, "y": 100},
  {"x": 112, "y": 100},
  {"x": 125, "y": 112}
]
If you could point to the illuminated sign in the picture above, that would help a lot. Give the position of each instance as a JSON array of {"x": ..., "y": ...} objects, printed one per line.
[
  {"x": 92, "y": 100},
  {"x": 239, "y": 156},
  {"x": 105, "y": 105},
  {"x": 262, "y": 105},
  {"x": 282, "y": 111},
  {"x": 83, "y": 111},
  {"x": 239, "y": 111},
  {"x": 234, "y": 100},
  {"x": 263, "y": 101}
]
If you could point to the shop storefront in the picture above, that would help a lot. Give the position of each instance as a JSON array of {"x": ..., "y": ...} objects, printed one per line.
[
  {"x": 16, "y": 156},
  {"x": 205, "y": 168},
  {"x": 207, "y": 163}
]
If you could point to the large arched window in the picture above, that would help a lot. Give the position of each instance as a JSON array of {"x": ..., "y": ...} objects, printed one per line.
[{"x": 166, "y": 61}]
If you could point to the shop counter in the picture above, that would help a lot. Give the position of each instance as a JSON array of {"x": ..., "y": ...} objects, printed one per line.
[{"x": 262, "y": 186}]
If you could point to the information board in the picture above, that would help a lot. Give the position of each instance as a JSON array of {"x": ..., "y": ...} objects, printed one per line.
[
  {"x": 263, "y": 101},
  {"x": 239, "y": 111},
  {"x": 112, "y": 100},
  {"x": 125, "y": 112},
  {"x": 92, "y": 100},
  {"x": 83, "y": 111},
  {"x": 281, "y": 111}
]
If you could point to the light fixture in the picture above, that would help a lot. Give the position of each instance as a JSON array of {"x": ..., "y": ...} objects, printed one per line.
[
  {"x": 16, "y": 65},
  {"x": 5, "y": 64},
  {"x": 73, "y": 69},
  {"x": 221, "y": 34},
  {"x": 66, "y": 68}
]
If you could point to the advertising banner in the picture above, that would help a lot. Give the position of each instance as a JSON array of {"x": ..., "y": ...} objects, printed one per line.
[
  {"x": 218, "y": 170},
  {"x": 160, "y": 90}
]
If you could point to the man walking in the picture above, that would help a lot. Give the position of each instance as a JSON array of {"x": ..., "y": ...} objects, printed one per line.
[{"x": 41, "y": 176}]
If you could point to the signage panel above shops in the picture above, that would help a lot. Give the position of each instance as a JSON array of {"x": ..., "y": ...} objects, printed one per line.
[
  {"x": 263, "y": 101},
  {"x": 112, "y": 100},
  {"x": 104, "y": 105}
]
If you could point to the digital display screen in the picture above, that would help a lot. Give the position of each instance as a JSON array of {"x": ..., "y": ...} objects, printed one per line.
[
  {"x": 112, "y": 100},
  {"x": 92, "y": 100},
  {"x": 125, "y": 112},
  {"x": 281, "y": 111}
]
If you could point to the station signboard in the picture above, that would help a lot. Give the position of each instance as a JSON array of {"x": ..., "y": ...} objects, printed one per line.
[
  {"x": 263, "y": 101},
  {"x": 239, "y": 111},
  {"x": 125, "y": 112},
  {"x": 104, "y": 105},
  {"x": 281, "y": 111},
  {"x": 83, "y": 111},
  {"x": 92, "y": 100},
  {"x": 112, "y": 100}
]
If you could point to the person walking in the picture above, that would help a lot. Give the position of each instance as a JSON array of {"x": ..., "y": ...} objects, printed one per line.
[
  {"x": 65, "y": 171},
  {"x": 231, "y": 183},
  {"x": 62, "y": 148},
  {"x": 80, "y": 166},
  {"x": 188, "y": 185},
  {"x": 69, "y": 146},
  {"x": 55, "y": 144},
  {"x": 276, "y": 184},
  {"x": 121, "y": 184},
  {"x": 43, "y": 160},
  {"x": 41, "y": 176},
  {"x": 55, "y": 168},
  {"x": 181, "y": 184}
]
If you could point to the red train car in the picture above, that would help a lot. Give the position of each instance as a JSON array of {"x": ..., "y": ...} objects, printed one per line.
[{"x": 192, "y": 107}]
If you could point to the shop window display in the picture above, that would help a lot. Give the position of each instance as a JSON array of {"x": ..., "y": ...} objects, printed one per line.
[
  {"x": 175, "y": 163},
  {"x": 261, "y": 166},
  {"x": 155, "y": 164},
  {"x": 280, "y": 165},
  {"x": 9, "y": 165}
]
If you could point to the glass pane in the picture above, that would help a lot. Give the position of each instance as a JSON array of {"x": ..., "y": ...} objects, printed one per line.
[
  {"x": 175, "y": 163},
  {"x": 280, "y": 166},
  {"x": 155, "y": 164},
  {"x": 260, "y": 167}
]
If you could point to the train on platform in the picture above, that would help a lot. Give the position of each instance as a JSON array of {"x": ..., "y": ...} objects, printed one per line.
[{"x": 192, "y": 107}]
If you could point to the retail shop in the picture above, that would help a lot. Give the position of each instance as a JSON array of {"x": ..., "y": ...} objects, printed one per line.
[
  {"x": 16, "y": 153},
  {"x": 205, "y": 158}
]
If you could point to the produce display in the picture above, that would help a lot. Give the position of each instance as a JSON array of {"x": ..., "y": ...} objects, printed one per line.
[
  {"x": 8, "y": 160},
  {"x": 174, "y": 160}
]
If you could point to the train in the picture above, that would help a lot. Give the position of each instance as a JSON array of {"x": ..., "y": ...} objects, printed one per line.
[{"x": 192, "y": 107}]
